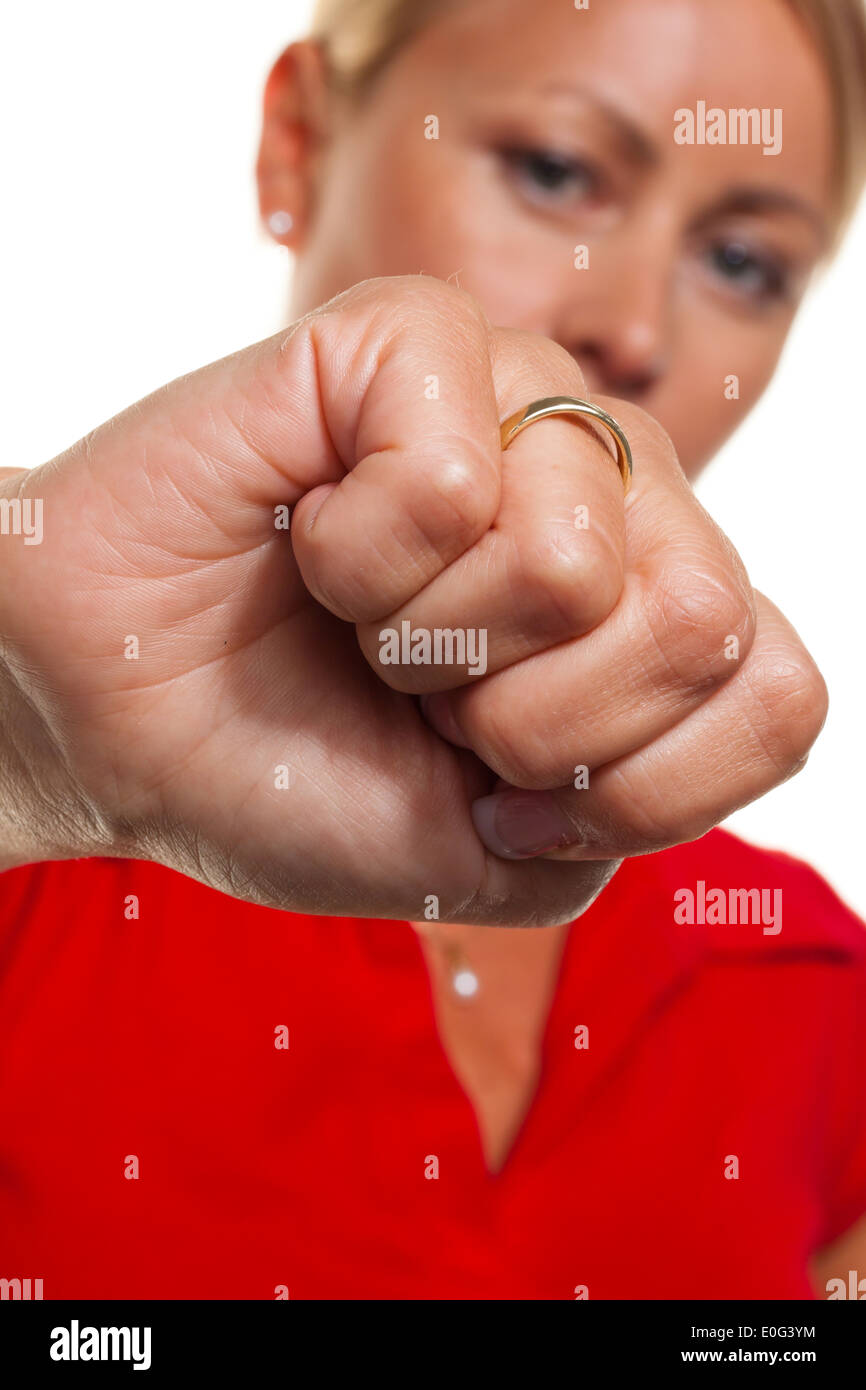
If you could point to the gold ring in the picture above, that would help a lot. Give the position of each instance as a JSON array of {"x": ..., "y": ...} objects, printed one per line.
[{"x": 570, "y": 405}]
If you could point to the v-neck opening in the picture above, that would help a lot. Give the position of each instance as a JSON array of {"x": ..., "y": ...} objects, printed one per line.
[{"x": 489, "y": 1176}]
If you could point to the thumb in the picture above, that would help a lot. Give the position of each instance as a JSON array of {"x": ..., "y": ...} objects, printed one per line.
[{"x": 199, "y": 466}]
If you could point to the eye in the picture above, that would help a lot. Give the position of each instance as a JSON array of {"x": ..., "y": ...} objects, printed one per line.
[
  {"x": 752, "y": 274},
  {"x": 549, "y": 177}
]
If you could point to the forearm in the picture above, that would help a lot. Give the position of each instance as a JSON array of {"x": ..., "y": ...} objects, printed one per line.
[
  {"x": 42, "y": 813},
  {"x": 40, "y": 817}
]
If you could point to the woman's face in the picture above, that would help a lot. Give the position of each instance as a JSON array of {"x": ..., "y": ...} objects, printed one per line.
[{"x": 556, "y": 131}]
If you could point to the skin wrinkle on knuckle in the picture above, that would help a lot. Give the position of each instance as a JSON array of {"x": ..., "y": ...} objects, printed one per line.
[
  {"x": 366, "y": 590},
  {"x": 451, "y": 512},
  {"x": 629, "y": 819},
  {"x": 344, "y": 368},
  {"x": 636, "y": 826},
  {"x": 598, "y": 568},
  {"x": 502, "y": 740},
  {"x": 573, "y": 579},
  {"x": 343, "y": 594},
  {"x": 649, "y": 440},
  {"x": 385, "y": 334},
  {"x": 463, "y": 485},
  {"x": 691, "y": 615},
  {"x": 455, "y": 507},
  {"x": 788, "y": 706},
  {"x": 442, "y": 314}
]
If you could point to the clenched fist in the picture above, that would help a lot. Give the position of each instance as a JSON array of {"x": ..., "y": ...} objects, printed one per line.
[{"x": 187, "y": 678}]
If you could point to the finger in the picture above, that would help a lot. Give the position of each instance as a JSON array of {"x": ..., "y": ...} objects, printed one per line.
[
  {"x": 751, "y": 735},
  {"x": 422, "y": 460},
  {"x": 551, "y": 565},
  {"x": 683, "y": 626}
]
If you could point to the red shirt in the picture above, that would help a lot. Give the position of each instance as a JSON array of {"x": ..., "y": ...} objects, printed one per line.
[{"x": 153, "y": 1039}]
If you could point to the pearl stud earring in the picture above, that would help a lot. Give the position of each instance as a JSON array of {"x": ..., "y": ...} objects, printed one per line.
[{"x": 280, "y": 223}]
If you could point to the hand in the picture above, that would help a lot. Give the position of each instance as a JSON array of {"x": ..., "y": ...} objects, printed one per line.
[
  {"x": 175, "y": 670},
  {"x": 637, "y": 690}
]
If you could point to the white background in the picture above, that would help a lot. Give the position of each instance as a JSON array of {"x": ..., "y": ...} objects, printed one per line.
[{"x": 131, "y": 252}]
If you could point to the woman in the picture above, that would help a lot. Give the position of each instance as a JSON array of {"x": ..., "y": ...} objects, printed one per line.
[{"x": 231, "y": 1066}]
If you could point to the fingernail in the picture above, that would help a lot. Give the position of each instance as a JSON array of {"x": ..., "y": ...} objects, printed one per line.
[
  {"x": 520, "y": 824},
  {"x": 436, "y": 709}
]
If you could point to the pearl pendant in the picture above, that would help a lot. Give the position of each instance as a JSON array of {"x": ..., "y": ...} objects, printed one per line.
[
  {"x": 464, "y": 982},
  {"x": 462, "y": 978}
]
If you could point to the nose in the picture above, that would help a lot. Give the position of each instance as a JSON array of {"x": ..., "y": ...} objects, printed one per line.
[{"x": 615, "y": 317}]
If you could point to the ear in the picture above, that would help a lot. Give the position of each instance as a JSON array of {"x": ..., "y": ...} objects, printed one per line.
[{"x": 296, "y": 113}]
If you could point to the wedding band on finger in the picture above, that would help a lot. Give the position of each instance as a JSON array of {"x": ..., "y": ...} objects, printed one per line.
[{"x": 570, "y": 405}]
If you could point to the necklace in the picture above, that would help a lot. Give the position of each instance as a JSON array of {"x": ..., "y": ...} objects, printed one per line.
[{"x": 462, "y": 978}]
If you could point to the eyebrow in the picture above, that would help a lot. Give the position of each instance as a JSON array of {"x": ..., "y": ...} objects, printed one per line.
[
  {"x": 640, "y": 148},
  {"x": 758, "y": 200},
  {"x": 643, "y": 152}
]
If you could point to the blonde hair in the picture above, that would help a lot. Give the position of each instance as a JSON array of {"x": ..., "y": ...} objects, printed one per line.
[{"x": 360, "y": 37}]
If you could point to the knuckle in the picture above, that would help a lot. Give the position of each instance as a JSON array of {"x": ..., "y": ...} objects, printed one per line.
[
  {"x": 440, "y": 297},
  {"x": 503, "y": 738},
  {"x": 530, "y": 358},
  {"x": 645, "y": 433},
  {"x": 634, "y": 819},
  {"x": 463, "y": 486},
  {"x": 575, "y": 578},
  {"x": 655, "y": 435},
  {"x": 334, "y": 586},
  {"x": 792, "y": 703},
  {"x": 703, "y": 621},
  {"x": 641, "y": 817},
  {"x": 387, "y": 305}
]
